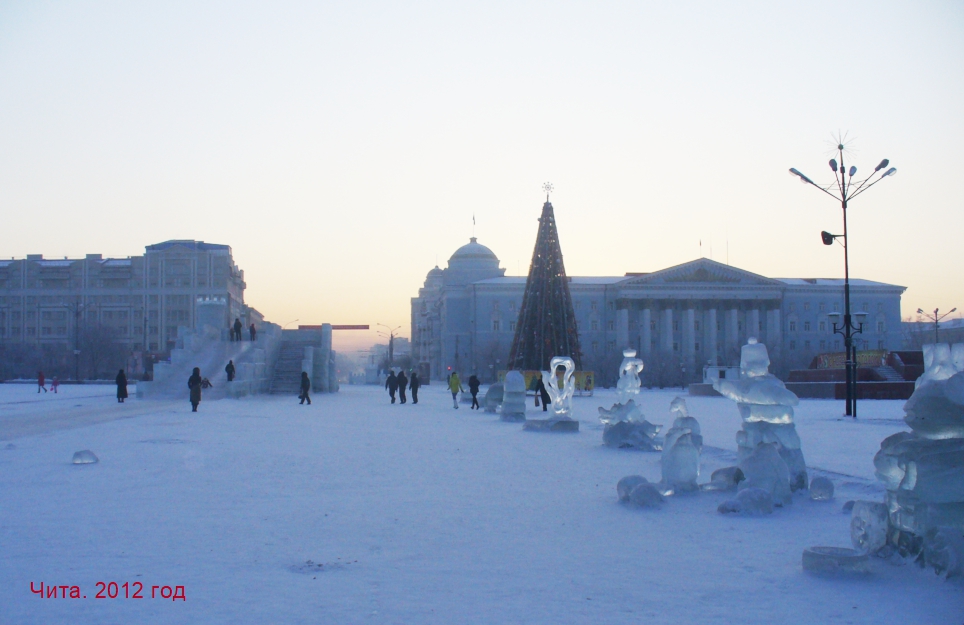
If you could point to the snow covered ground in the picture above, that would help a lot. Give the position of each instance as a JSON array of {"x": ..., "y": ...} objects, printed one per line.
[{"x": 352, "y": 510}]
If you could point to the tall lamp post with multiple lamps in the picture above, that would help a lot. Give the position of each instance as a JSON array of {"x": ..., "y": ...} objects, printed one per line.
[
  {"x": 936, "y": 318},
  {"x": 844, "y": 189},
  {"x": 391, "y": 342}
]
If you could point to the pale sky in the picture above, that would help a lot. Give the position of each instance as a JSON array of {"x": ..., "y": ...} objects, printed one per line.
[{"x": 341, "y": 148}]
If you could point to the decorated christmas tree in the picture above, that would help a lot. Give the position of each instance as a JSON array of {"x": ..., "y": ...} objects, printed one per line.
[{"x": 547, "y": 322}]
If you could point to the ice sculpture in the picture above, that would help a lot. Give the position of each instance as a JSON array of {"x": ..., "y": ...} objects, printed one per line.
[
  {"x": 765, "y": 469},
  {"x": 748, "y": 502},
  {"x": 493, "y": 397},
  {"x": 84, "y": 457},
  {"x": 944, "y": 550},
  {"x": 923, "y": 470},
  {"x": 821, "y": 489},
  {"x": 727, "y": 478},
  {"x": 561, "y": 398},
  {"x": 514, "y": 397},
  {"x": 628, "y": 386},
  {"x": 637, "y": 490},
  {"x": 766, "y": 407},
  {"x": 834, "y": 560},
  {"x": 680, "y": 461},
  {"x": 624, "y": 423}
]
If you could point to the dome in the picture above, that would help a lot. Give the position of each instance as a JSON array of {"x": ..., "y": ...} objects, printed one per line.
[{"x": 473, "y": 251}]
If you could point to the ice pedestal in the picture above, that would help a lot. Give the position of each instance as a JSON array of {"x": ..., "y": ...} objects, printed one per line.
[
  {"x": 514, "y": 397},
  {"x": 636, "y": 490},
  {"x": 748, "y": 502},
  {"x": 821, "y": 489},
  {"x": 84, "y": 457},
  {"x": 766, "y": 470},
  {"x": 632, "y": 434},
  {"x": 923, "y": 470},
  {"x": 834, "y": 560},
  {"x": 766, "y": 407}
]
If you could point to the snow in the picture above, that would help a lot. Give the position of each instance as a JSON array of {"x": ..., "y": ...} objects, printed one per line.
[{"x": 353, "y": 510}]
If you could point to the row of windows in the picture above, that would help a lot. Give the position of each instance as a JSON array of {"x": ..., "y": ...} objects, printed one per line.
[
  {"x": 860, "y": 344},
  {"x": 822, "y": 306},
  {"x": 822, "y": 326}
]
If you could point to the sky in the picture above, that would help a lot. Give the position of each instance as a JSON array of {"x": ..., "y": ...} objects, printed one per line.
[{"x": 343, "y": 149}]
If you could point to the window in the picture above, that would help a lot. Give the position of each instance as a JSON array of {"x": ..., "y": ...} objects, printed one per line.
[
  {"x": 865, "y": 307},
  {"x": 793, "y": 326},
  {"x": 880, "y": 345},
  {"x": 595, "y": 347},
  {"x": 823, "y": 306},
  {"x": 806, "y": 306},
  {"x": 792, "y": 307},
  {"x": 611, "y": 346},
  {"x": 512, "y": 306},
  {"x": 495, "y": 325},
  {"x": 739, "y": 326},
  {"x": 512, "y": 326},
  {"x": 696, "y": 326},
  {"x": 823, "y": 345},
  {"x": 719, "y": 326},
  {"x": 612, "y": 326},
  {"x": 836, "y": 307},
  {"x": 697, "y": 346},
  {"x": 592, "y": 305},
  {"x": 495, "y": 305},
  {"x": 652, "y": 326},
  {"x": 880, "y": 307},
  {"x": 822, "y": 326},
  {"x": 793, "y": 344},
  {"x": 806, "y": 326},
  {"x": 880, "y": 327},
  {"x": 594, "y": 326},
  {"x": 806, "y": 345},
  {"x": 836, "y": 345},
  {"x": 676, "y": 326},
  {"x": 675, "y": 346},
  {"x": 611, "y": 306}
]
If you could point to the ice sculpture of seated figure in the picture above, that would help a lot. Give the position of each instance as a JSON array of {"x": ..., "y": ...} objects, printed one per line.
[
  {"x": 760, "y": 396},
  {"x": 680, "y": 461},
  {"x": 561, "y": 398},
  {"x": 514, "y": 397}
]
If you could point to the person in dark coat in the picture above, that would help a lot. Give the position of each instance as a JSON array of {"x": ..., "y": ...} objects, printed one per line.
[
  {"x": 121, "y": 381},
  {"x": 305, "y": 387},
  {"x": 194, "y": 383},
  {"x": 230, "y": 370},
  {"x": 40, "y": 381},
  {"x": 237, "y": 329},
  {"x": 543, "y": 394},
  {"x": 253, "y": 332},
  {"x": 413, "y": 384},
  {"x": 391, "y": 384},
  {"x": 402, "y": 383},
  {"x": 474, "y": 389}
]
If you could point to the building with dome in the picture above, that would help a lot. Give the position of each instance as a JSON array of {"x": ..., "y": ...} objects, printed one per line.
[{"x": 681, "y": 317}]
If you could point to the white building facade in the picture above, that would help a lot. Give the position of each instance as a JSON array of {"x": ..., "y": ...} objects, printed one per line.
[{"x": 689, "y": 315}]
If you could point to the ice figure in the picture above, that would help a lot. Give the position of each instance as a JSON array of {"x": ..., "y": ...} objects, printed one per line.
[
  {"x": 727, "y": 478},
  {"x": 493, "y": 397},
  {"x": 628, "y": 385},
  {"x": 923, "y": 470},
  {"x": 561, "y": 397},
  {"x": 944, "y": 550},
  {"x": 514, "y": 397},
  {"x": 84, "y": 457},
  {"x": 637, "y": 490},
  {"x": 821, "y": 489},
  {"x": 766, "y": 407},
  {"x": 680, "y": 461},
  {"x": 625, "y": 424},
  {"x": 765, "y": 469},
  {"x": 749, "y": 502}
]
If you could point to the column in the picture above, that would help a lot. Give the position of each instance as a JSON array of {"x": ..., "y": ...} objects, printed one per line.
[
  {"x": 710, "y": 335},
  {"x": 666, "y": 332},
  {"x": 622, "y": 329},
  {"x": 732, "y": 329},
  {"x": 753, "y": 323},
  {"x": 774, "y": 331},
  {"x": 645, "y": 330},
  {"x": 689, "y": 335}
]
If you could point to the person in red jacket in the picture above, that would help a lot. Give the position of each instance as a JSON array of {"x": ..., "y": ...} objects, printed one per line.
[{"x": 40, "y": 381}]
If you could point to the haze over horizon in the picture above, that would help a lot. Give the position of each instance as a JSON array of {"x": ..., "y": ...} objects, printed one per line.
[{"x": 342, "y": 150}]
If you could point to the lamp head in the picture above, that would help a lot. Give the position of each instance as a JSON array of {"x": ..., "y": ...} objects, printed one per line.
[
  {"x": 883, "y": 163},
  {"x": 795, "y": 172},
  {"x": 853, "y": 170},
  {"x": 860, "y": 315},
  {"x": 827, "y": 238},
  {"x": 890, "y": 172},
  {"x": 833, "y": 165},
  {"x": 920, "y": 311},
  {"x": 952, "y": 310}
]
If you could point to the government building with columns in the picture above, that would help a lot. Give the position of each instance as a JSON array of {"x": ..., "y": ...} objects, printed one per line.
[{"x": 683, "y": 317}]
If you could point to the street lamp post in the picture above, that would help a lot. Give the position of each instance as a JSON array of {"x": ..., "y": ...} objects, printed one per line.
[
  {"x": 391, "y": 342},
  {"x": 845, "y": 189},
  {"x": 936, "y": 318}
]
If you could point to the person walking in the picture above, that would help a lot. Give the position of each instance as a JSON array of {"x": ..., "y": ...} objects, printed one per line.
[
  {"x": 391, "y": 384},
  {"x": 121, "y": 381},
  {"x": 194, "y": 383},
  {"x": 474, "y": 389},
  {"x": 413, "y": 384},
  {"x": 305, "y": 387},
  {"x": 402, "y": 383},
  {"x": 230, "y": 370},
  {"x": 543, "y": 393},
  {"x": 41, "y": 381},
  {"x": 253, "y": 333},
  {"x": 54, "y": 384},
  {"x": 455, "y": 385},
  {"x": 237, "y": 329}
]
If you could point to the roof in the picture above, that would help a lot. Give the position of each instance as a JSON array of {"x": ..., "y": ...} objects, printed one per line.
[
  {"x": 474, "y": 251},
  {"x": 200, "y": 246},
  {"x": 572, "y": 280},
  {"x": 839, "y": 282},
  {"x": 54, "y": 263},
  {"x": 116, "y": 262}
]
